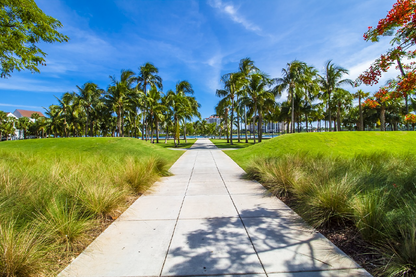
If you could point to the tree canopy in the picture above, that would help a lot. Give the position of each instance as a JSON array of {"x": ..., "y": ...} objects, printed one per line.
[{"x": 22, "y": 25}]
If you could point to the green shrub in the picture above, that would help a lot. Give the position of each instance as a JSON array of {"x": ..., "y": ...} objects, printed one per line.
[{"x": 22, "y": 252}]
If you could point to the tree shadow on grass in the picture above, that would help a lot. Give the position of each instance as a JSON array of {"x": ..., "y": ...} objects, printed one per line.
[{"x": 281, "y": 240}]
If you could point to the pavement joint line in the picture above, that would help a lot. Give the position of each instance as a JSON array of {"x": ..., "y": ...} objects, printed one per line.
[
  {"x": 179, "y": 214},
  {"x": 241, "y": 219}
]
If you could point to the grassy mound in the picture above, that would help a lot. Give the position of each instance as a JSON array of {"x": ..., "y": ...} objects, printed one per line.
[
  {"x": 344, "y": 144},
  {"x": 362, "y": 180},
  {"x": 56, "y": 195}
]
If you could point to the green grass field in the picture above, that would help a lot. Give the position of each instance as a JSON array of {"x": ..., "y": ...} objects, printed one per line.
[
  {"x": 56, "y": 194},
  {"x": 346, "y": 144},
  {"x": 364, "y": 180},
  {"x": 171, "y": 144},
  {"x": 222, "y": 143}
]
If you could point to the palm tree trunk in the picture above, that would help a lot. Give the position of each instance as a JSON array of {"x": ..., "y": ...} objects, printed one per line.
[
  {"x": 254, "y": 121},
  {"x": 339, "y": 117},
  {"x": 293, "y": 111},
  {"x": 329, "y": 107},
  {"x": 232, "y": 121},
  {"x": 184, "y": 131},
  {"x": 361, "y": 114},
  {"x": 383, "y": 118},
  {"x": 245, "y": 122},
  {"x": 260, "y": 126},
  {"x": 238, "y": 124},
  {"x": 167, "y": 133},
  {"x": 119, "y": 121}
]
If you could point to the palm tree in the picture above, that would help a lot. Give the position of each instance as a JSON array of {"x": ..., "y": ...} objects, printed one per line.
[
  {"x": 330, "y": 81},
  {"x": 3, "y": 117},
  {"x": 119, "y": 96},
  {"x": 147, "y": 76},
  {"x": 293, "y": 81},
  {"x": 89, "y": 97},
  {"x": 180, "y": 104},
  {"x": 247, "y": 68},
  {"x": 360, "y": 94},
  {"x": 258, "y": 98},
  {"x": 342, "y": 99},
  {"x": 232, "y": 83},
  {"x": 65, "y": 104},
  {"x": 222, "y": 110}
]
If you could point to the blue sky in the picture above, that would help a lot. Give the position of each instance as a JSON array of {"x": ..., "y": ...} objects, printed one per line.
[{"x": 196, "y": 41}]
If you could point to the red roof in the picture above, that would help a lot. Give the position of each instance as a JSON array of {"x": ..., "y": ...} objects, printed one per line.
[{"x": 28, "y": 114}]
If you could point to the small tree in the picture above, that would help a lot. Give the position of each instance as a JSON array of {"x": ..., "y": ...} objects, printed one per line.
[{"x": 22, "y": 26}]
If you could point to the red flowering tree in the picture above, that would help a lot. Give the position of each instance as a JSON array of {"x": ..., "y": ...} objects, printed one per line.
[
  {"x": 400, "y": 23},
  {"x": 382, "y": 99},
  {"x": 411, "y": 119}
]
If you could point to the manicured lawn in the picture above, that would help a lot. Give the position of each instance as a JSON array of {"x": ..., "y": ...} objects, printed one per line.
[
  {"x": 171, "y": 144},
  {"x": 56, "y": 195},
  {"x": 222, "y": 143},
  {"x": 345, "y": 144}
]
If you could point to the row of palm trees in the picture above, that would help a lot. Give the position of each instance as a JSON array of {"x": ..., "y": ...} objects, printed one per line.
[
  {"x": 251, "y": 94},
  {"x": 132, "y": 105}
]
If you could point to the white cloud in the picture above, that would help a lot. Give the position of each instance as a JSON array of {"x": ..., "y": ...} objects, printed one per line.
[
  {"x": 231, "y": 11},
  {"x": 19, "y": 106}
]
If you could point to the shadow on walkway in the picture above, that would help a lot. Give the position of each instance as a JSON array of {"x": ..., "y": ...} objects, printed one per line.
[{"x": 283, "y": 244}]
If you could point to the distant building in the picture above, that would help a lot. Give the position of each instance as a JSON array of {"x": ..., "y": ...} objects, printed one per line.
[
  {"x": 213, "y": 119},
  {"x": 269, "y": 127},
  {"x": 25, "y": 113}
]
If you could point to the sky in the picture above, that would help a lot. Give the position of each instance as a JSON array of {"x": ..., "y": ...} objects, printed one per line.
[{"x": 197, "y": 41}]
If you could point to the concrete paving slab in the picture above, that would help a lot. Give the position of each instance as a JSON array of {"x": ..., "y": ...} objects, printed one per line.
[
  {"x": 205, "y": 170},
  {"x": 207, "y": 206},
  {"x": 178, "y": 178},
  {"x": 232, "y": 177},
  {"x": 204, "y": 189},
  {"x": 213, "y": 246},
  {"x": 152, "y": 207},
  {"x": 167, "y": 189},
  {"x": 260, "y": 206},
  {"x": 246, "y": 188},
  {"x": 125, "y": 248},
  {"x": 206, "y": 177},
  {"x": 284, "y": 246},
  {"x": 326, "y": 273}
]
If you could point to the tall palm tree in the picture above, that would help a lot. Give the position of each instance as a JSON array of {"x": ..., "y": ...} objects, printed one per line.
[
  {"x": 222, "y": 110},
  {"x": 180, "y": 103},
  {"x": 89, "y": 97},
  {"x": 331, "y": 80},
  {"x": 360, "y": 94},
  {"x": 232, "y": 83},
  {"x": 293, "y": 81},
  {"x": 148, "y": 76},
  {"x": 119, "y": 96},
  {"x": 342, "y": 99},
  {"x": 259, "y": 98},
  {"x": 247, "y": 68}
]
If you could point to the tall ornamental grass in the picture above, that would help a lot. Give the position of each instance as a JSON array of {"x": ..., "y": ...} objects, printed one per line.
[
  {"x": 51, "y": 205},
  {"x": 374, "y": 192}
]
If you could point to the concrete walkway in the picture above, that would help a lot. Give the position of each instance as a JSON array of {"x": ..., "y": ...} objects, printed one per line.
[{"x": 207, "y": 221}]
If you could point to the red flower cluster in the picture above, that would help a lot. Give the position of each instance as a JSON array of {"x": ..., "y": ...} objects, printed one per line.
[
  {"x": 382, "y": 64},
  {"x": 372, "y": 104},
  {"x": 410, "y": 118},
  {"x": 407, "y": 84},
  {"x": 383, "y": 95},
  {"x": 402, "y": 14}
]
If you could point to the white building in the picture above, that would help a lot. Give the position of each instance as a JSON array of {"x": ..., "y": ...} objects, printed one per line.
[
  {"x": 25, "y": 113},
  {"x": 269, "y": 127},
  {"x": 213, "y": 119}
]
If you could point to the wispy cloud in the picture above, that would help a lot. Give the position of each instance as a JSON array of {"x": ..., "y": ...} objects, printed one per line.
[
  {"x": 232, "y": 12},
  {"x": 20, "y": 106}
]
